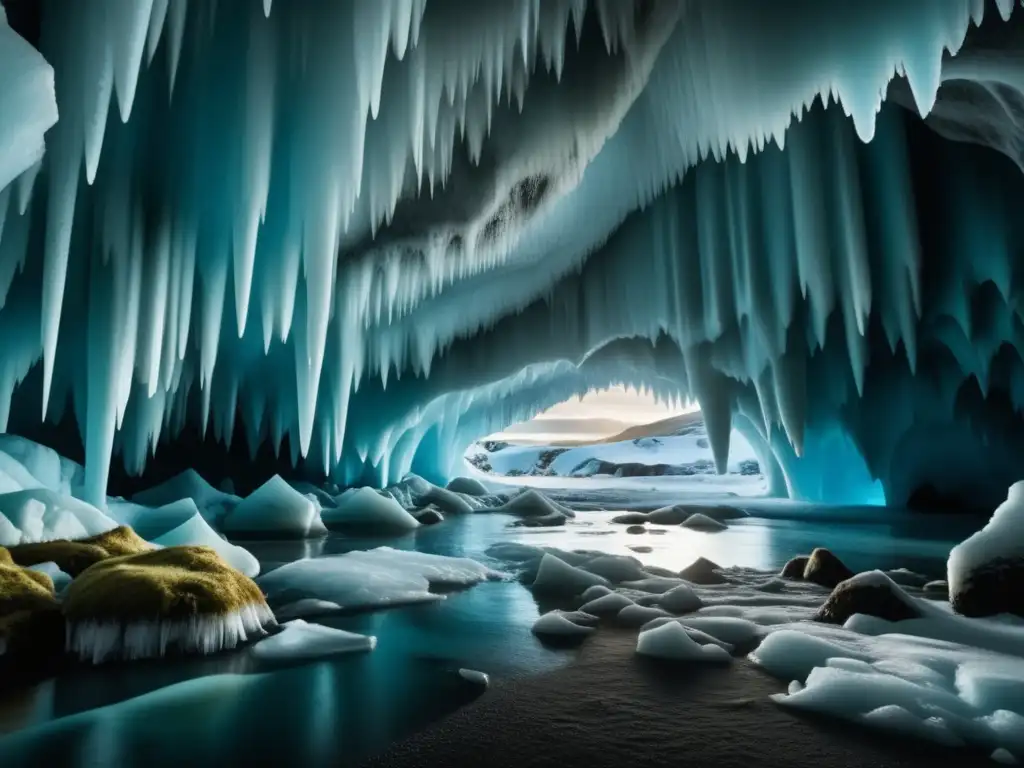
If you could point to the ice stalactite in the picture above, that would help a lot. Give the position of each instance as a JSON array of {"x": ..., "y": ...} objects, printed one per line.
[{"x": 368, "y": 229}]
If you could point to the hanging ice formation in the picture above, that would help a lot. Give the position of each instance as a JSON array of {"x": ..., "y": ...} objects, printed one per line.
[{"x": 381, "y": 228}]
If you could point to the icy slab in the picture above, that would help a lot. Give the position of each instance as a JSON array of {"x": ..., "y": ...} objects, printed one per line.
[
  {"x": 366, "y": 507},
  {"x": 195, "y": 531},
  {"x": 60, "y": 578},
  {"x": 274, "y": 509},
  {"x": 187, "y": 485},
  {"x": 100, "y": 641},
  {"x": 149, "y": 522},
  {"x": 475, "y": 676},
  {"x": 375, "y": 578},
  {"x": 680, "y": 599},
  {"x": 299, "y": 640},
  {"x": 306, "y": 607},
  {"x": 671, "y": 641},
  {"x": 27, "y": 102},
  {"x": 40, "y": 514}
]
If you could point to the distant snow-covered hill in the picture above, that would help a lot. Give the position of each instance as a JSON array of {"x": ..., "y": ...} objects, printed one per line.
[{"x": 672, "y": 447}]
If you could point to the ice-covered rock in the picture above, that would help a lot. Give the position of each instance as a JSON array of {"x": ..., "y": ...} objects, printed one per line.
[
  {"x": 364, "y": 507},
  {"x": 299, "y": 640},
  {"x": 638, "y": 615},
  {"x": 702, "y": 571},
  {"x": 195, "y": 531},
  {"x": 671, "y": 641},
  {"x": 555, "y": 576},
  {"x": 986, "y": 571},
  {"x": 40, "y": 514},
  {"x": 615, "y": 568},
  {"x": 475, "y": 676},
  {"x": 533, "y": 503},
  {"x": 467, "y": 485},
  {"x": 555, "y": 624},
  {"x": 275, "y": 509},
  {"x": 680, "y": 599},
  {"x": 374, "y": 578},
  {"x": 698, "y": 521},
  {"x": 872, "y": 593},
  {"x": 606, "y": 605},
  {"x": 305, "y": 607}
]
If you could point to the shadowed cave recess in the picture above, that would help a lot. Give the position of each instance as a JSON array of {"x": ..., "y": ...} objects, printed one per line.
[{"x": 345, "y": 240}]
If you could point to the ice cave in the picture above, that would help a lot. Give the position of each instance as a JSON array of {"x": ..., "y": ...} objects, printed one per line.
[{"x": 274, "y": 274}]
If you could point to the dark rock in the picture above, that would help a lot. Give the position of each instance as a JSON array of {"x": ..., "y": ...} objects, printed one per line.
[
  {"x": 429, "y": 516},
  {"x": 794, "y": 569},
  {"x": 872, "y": 593},
  {"x": 641, "y": 548},
  {"x": 544, "y": 521},
  {"x": 825, "y": 569},
  {"x": 997, "y": 587},
  {"x": 702, "y": 571},
  {"x": 636, "y": 529}
]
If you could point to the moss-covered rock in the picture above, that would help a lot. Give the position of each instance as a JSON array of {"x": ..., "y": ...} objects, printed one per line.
[
  {"x": 794, "y": 569},
  {"x": 825, "y": 569},
  {"x": 871, "y": 593},
  {"x": 73, "y": 557},
  {"x": 173, "y": 600}
]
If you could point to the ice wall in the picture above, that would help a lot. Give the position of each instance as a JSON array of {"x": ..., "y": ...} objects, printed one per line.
[{"x": 384, "y": 228}]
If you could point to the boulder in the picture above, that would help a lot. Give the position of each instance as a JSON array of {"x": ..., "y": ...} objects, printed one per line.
[
  {"x": 794, "y": 569},
  {"x": 702, "y": 571},
  {"x": 871, "y": 593},
  {"x": 825, "y": 569}
]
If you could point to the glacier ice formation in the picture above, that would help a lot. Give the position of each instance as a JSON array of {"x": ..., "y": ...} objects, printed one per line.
[{"x": 366, "y": 233}]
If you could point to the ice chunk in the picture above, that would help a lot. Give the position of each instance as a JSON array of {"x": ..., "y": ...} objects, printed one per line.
[
  {"x": 45, "y": 465},
  {"x": 197, "y": 532},
  {"x": 555, "y": 576},
  {"x": 615, "y": 568},
  {"x": 187, "y": 485},
  {"x": 152, "y": 523},
  {"x": 366, "y": 507},
  {"x": 375, "y": 578},
  {"x": 638, "y": 615},
  {"x": 475, "y": 676},
  {"x": 298, "y": 640},
  {"x": 896, "y": 719},
  {"x": 671, "y": 641},
  {"x": 44, "y": 515},
  {"x": 274, "y": 509},
  {"x": 791, "y": 655}
]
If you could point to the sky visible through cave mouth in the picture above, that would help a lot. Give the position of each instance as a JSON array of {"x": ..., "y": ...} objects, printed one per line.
[{"x": 597, "y": 415}]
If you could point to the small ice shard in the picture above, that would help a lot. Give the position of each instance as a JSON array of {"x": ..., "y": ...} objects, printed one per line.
[{"x": 299, "y": 640}]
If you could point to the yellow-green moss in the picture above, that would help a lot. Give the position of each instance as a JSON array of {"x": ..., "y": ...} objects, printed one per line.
[
  {"x": 73, "y": 557},
  {"x": 24, "y": 590},
  {"x": 175, "y": 583},
  {"x": 5, "y": 557}
]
